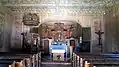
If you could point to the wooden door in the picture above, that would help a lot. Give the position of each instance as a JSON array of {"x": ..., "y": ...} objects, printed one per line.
[{"x": 46, "y": 46}]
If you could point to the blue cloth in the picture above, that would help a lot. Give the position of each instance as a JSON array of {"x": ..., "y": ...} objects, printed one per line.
[
  {"x": 59, "y": 46},
  {"x": 77, "y": 49}
]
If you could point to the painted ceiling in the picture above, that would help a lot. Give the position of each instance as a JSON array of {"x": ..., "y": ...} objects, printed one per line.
[{"x": 58, "y": 5}]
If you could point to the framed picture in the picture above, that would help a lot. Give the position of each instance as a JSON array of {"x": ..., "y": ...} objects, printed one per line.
[{"x": 72, "y": 42}]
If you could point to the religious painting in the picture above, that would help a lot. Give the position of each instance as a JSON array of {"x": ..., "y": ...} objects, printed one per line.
[
  {"x": 86, "y": 33},
  {"x": 72, "y": 43},
  {"x": 97, "y": 25}
]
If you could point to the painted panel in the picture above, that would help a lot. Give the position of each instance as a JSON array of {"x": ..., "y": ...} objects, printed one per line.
[{"x": 1, "y": 30}]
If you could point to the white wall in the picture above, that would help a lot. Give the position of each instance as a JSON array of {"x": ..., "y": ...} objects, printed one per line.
[{"x": 5, "y": 18}]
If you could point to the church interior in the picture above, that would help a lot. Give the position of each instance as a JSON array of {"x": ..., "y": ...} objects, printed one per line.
[{"x": 59, "y": 33}]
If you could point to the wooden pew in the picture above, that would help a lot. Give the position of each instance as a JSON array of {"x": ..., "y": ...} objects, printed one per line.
[
  {"x": 19, "y": 64},
  {"x": 104, "y": 61},
  {"x": 18, "y": 60},
  {"x": 97, "y": 60},
  {"x": 10, "y": 61}
]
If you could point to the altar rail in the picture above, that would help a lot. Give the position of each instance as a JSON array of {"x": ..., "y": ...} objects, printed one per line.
[
  {"x": 95, "y": 60},
  {"x": 21, "y": 60}
]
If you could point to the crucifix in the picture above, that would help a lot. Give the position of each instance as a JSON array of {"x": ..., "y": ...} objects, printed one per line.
[{"x": 99, "y": 33}]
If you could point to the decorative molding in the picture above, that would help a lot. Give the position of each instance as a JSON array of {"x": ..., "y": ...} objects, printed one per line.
[
  {"x": 30, "y": 19},
  {"x": 73, "y": 2},
  {"x": 68, "y": 9}
]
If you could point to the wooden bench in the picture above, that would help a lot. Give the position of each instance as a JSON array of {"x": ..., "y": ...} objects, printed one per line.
[
  {"x": 19, "y": 60},
  {"x": 95, "y": 60}
]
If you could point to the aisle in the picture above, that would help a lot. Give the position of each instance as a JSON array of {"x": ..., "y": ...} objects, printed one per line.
[
  {"x": 47, "y": 62},
  {"x": 55, "y": 64}
]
